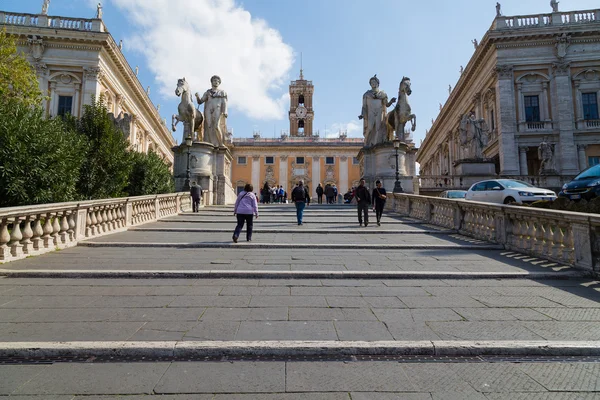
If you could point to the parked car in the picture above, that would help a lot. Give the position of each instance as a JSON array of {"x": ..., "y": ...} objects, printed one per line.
[
  {"x": 586, "y": 185},
  {"x": 454, "y": 194},
  {"x": 505, "y": 191}
]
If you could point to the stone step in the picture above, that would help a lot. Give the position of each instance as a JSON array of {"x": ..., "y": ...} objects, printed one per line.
[
  {"x": 311, "y": 231},
  {"x": 307, "y": 219}
]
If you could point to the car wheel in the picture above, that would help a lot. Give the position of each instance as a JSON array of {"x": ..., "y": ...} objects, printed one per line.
[{"x": 509, "y": 200}]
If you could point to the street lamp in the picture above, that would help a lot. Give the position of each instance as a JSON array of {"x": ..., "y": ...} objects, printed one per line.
[
  {"x": 397, "y": 185},
  {"x": 188, "y": 144}
]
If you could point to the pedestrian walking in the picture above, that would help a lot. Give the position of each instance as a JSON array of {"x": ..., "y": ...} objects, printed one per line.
[
  {"x": 335, "y": 194},
  {"x": 378, "y": 200},
  {"x": 196, "y": 193},
  {"x": 301, "y": 199},
  {"x": 245, "y": 209},
  {"x": 329, "y": 193},
  {"x": 319, "y": 190},
  {"x": 363, "y": 200}
]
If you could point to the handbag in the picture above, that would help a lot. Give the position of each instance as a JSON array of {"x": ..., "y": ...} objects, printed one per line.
[{"x": 381, "y": 196}]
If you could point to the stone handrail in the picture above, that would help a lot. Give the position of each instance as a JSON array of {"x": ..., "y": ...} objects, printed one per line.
[
  {"x": 542, "y": 20},
  {"x": 449, "y": 182},
  {"x": 565, "y": 237},
  {"x": 46, "y": 21},
  {"x": 38, "y": 229}
]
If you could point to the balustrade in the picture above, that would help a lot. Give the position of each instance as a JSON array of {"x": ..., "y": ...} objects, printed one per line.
[
  {"x": 560, "y": 18},
  {"x": 44, "y": 21},
  {"x": 32, "y": 230}
]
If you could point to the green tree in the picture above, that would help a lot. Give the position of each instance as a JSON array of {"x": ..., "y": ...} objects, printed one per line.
[
  {"x": 40, "y": 158},
  {"x": 150, "y": 175},
  {"x": 17, "y": 76},
  {"x": 108, "y": 162}
]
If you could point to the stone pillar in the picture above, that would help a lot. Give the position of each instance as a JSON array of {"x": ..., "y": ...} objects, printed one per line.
[
  {"x": 118, "y": 104},
  {"x": 76, "y": 105},
  {"x": 133, "y": 136},
  {"x": 256, "y": 173},
  {"x": 567, "y": 154},
  {"x": 523, "y": 160},
  {"x": 91, "y": 85},
  {"x": 507, "y": 127},
  {"x": 544, "y": 111},
  {"x": 521, "y": 103},
  {"x": 316, "y": 175},
  {"x": 343, "y": 183},
  {"x": 53, "y": 105},
  {"x": 581, "y": 156},
  {"x": 579, "y": 104},
  {"x": 283, "y": 173}
]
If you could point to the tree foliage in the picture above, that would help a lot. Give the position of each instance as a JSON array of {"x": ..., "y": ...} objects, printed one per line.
[
  {"x": 17, "y": 76},
  {"x": 149, "y": 175},
  {"x": 40, "y": 158}
]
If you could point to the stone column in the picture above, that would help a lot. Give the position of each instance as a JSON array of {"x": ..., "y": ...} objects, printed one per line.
[
  {"x": 579, "y": 104},
  {"x": 523, "y": 160},
  {"x": 283, "y": 173},
  {"x": 343, "y": 183},
  {"x": 521, "y": 103},
  {"x": 581, "y": 156},
  {"x": 91, "y": 85},
  {"x": 118, "y": 104},
  {"x": 316, "y": 175},
  {"x": 507, "y": 119},
  {"x": 76, "y": 105},
  {"x": 53, "y": 105},
  {"x": 256, "y": 173},
  {"x": 567, "y": 154}
]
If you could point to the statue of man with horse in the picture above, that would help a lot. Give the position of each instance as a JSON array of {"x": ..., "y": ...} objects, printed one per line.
[
  {"x": 397, "y": 119},
  {"x": 187, "y": 113}
]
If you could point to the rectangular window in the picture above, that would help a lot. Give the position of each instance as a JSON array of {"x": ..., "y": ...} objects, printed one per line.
[
  {"x": 329, "y": 160},
  {"x": 65, "y": 105},
  {"x": 532, "y": 108},
  {"x": 299, "y": 160},
  {"x": 242, "y": 160},
  {"x": 270, "y": 160},
  {"x": 590, "y": 106},
  {"x": 593, "y": 161},
  {"x": 355, "y": 160}
]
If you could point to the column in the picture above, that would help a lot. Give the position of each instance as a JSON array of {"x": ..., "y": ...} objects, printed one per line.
[
  {"x": 76, "y": 105},
  {"x": 343, "y": 183},
  {"x": 91, "y": 86},
  {"x": 52, "y": 108},
  {"x": 316, "y": 175},
  {"x": 523, "y": 160},
  {"x": 521, "y": 104},
  {"x": 256, "y": 173},
  {"x": 568, "y": 152},
  {"x": 581, "y": 156},
  {"x": 507, "y": 126},
  {"x": 579, "y": 105},
  {"x": 283, "y": 173},
  {"x": 133, "y": 136},
  {"x": 118, "y": 104},
  {"x": 545, "y": 113}
]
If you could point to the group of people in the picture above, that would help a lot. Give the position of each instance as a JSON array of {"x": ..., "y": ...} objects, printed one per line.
[
  {"x": 275, "y": 194},
  {"x": 246, "y": 205},
  {"x": 330, "y": 191}
]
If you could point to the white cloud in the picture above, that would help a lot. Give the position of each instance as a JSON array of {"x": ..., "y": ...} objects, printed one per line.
[
  {"x": 353, "y": 129},
  {"x": 201, "y": 38}
]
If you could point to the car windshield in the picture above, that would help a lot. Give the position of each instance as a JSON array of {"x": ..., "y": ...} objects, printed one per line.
[
  {"x": 592, "y": 172},
  {"x": 457, "y": 195},
  {"x": 509, "y": 183}
]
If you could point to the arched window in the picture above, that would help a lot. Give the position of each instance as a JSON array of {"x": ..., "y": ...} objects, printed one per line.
[
  {"x": 300, "y": 126},
  {"x": 301, "y": 99}
]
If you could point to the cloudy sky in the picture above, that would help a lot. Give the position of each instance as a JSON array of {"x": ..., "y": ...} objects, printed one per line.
[{"x": 255, "y": 46}]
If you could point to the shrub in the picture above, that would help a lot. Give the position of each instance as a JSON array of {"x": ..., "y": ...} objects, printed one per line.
[{"x": 149, "y": 175}]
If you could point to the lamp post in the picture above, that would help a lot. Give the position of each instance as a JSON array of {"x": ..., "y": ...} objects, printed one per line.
[
  {"x": 188, "y": 144},
  {"x": 397, "y": 185}
]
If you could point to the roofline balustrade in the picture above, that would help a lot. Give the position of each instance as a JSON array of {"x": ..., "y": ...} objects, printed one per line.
[
  {"x": 544, "y": 20},
  {"x": 56, "y": 22}
]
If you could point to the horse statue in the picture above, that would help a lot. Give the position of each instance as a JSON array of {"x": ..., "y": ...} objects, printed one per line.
[
  {"x": 401, "y": 114},
  {"x": 188, "y": 114}
]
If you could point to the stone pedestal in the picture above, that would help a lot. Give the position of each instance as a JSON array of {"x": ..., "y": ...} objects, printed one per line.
[
  {"x": 474, "y": 168},
  {"x": 210, "y": 167},
  {"x": 379, "y": 163}
]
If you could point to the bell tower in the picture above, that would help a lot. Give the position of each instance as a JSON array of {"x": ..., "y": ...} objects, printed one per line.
[{"x": 301, "y": 107}]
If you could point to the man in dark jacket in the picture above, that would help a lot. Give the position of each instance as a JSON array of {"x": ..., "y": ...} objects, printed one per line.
[
  {"x": 196, "y": 193},
  {"x": 378, "y": 198},
  {"x": 363, "y": 199},
  {"x": 301, "y": 199}
]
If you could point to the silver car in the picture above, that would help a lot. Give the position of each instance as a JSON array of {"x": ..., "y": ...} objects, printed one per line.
[{"x": 505, "y": 191}]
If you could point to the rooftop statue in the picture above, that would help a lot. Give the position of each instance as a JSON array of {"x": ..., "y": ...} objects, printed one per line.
[
  {"x": 45, "y": 6},
  {"x": 374, "y": 113},
  {"x": 215, "y": 112}
]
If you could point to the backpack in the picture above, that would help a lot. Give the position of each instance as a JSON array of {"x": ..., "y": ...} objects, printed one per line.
[{"x": 299, "y": 194}]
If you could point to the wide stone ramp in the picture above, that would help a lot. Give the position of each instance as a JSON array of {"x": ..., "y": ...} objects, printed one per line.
[{"x": 326, "y": 310}]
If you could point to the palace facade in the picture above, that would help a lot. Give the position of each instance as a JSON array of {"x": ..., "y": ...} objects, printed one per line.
[
  {"x": 76, "y": 60},
  {"x": 532, "y": 79}
]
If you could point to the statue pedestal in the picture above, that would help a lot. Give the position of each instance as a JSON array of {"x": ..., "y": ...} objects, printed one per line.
[
  {"x": 475, "y": 168},
  {"x": 379, "y": 163},
  {"x": 210, "y": 167}
]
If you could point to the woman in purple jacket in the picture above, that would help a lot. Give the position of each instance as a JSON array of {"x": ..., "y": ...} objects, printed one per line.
[{"x": 245, "y": 208}]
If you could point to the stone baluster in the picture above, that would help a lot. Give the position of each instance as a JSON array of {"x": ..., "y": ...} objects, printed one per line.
[
  {"x": 55, "y": 229},
  {"x": 567, "y": 247},
  {"x": 93, "y": 222},
  {"x": 72, "y": 226},
  {"x": 38, "y": 232},
  {"x": 99, "y": 221},
  {"x": 64, "y": 227},
  {"x": 47, "y": 237},
  {"x": 16, "y": 248},
  {"x": 27, "y": 235},
  {"x": 4, "y": 239},
  {"x": 105, "y": 221}
]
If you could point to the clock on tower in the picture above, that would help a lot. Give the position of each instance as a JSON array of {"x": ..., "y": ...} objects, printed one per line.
[{"x": 301, "y": 112}]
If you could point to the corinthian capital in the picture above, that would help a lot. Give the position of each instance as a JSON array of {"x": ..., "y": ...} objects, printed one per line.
[{"x": 504, "y": 71}]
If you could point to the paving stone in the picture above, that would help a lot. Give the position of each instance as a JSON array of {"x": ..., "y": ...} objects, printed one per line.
[
  {"x": 489, "y": 330},
  {"x": 50, "y": 302},
  {"x": 207, "y": 377},
  {"x": 287, "y": 330},
  {"x": 331, "y": 314},
  {"x": 392, "y": 291},
  {"x": 210, "y": 301},
  {"x": 213, "y": 330},
  {"x": 544, "y": 396},
  {"x": 499, "y": 377},
  {"x": 565, "y": 330},
  {"x": 325, "y": 291},
  {"x": 255, "y": 291},
  {"x": 519, "y": 302},
  {"x": 393, "y": 315},
  {"x": 564, "y": 376},
  {"x": 435, "y": 378},
  {"x": 434, "y": 314},
  {"x": 572, "y": 314},
  {"x": 133, "y": 301},
  {"x": 14, "y": 376},
  {"x": 157, "y": 314},
  {"x": 288, "y": 301},
  {"x": 440, "y": 302},
  {"x": 67, "y": 315},
  {"x": 68, "y": 331},
  {"x": 246, "y": 314},
  {"x": 389, "y": 396},
  {"x": 411, "y": 331},
  {"x": 362, "y": 330},
  {"x": 283, "y": 396}
]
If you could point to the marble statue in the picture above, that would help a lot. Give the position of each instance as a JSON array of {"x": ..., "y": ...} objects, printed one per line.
[
  {"x": 402, "y": 113},
  {"x": 99, "y": 11},
  {"x": 137, "y": 70},
  {"x": 473, "y": 136},
  {"x": 122, "y": 122},
  {"x": 148, "y": 90},
  {"x": 374, "y": 112},
  {"x": 562, "y": 44},
  {"x": 188, "y": 114},
  {"x": 475, "y": 43},
  {"x": 498, "y": 10},
  {"x": 121, "y": 44},
  {"x": 462, "y": 69},
  {"x": 440, "y": 107},
  {"x": 546, "y": 156},
  {"x": 215, "y": 112},
  {"x": 449, "y": 89},
  {"x": 45, "y": 6},
  {"x": 554, "y": 5}
]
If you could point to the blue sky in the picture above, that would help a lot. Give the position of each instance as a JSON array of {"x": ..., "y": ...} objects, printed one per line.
[{"x": 255, "y": 46}]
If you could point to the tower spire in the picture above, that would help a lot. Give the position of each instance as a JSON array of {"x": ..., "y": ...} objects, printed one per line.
[{"x": 301, "y": 71}]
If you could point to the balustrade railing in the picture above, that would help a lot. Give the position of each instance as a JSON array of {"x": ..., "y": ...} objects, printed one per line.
[
  {"x": 45, "y": 21},
  {"x": 33, "y": 230},
  {"x": 542, "y": 20},
  {"x": 565, "y": 237}
]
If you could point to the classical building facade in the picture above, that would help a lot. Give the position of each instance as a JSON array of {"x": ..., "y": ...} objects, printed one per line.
[
  {"x": 531, "y": 93},
  {"x": 76, "y": 60}
]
